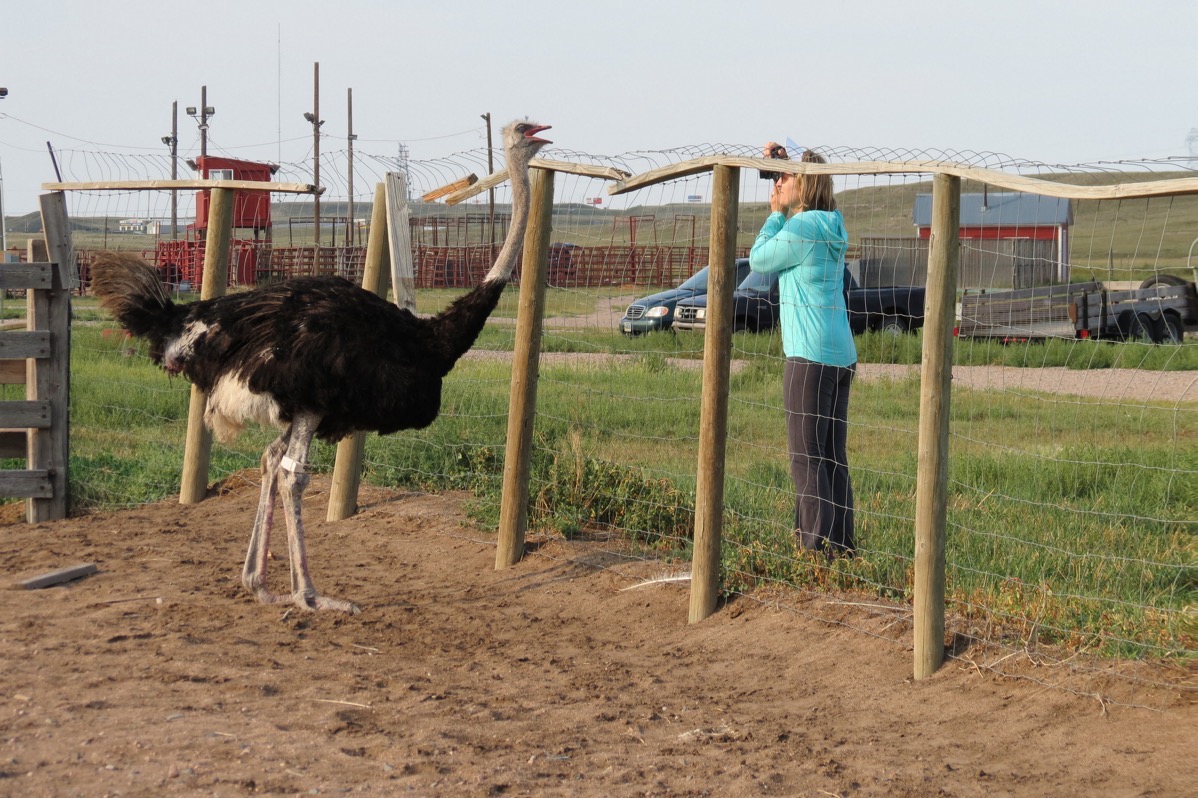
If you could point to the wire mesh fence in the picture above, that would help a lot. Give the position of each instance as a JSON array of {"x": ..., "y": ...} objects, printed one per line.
[{"x": 1072, "y": 503}]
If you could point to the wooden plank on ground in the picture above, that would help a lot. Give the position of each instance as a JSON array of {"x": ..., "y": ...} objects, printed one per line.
[
  {"x": 26, "y": 484},
  {"x": 56, "y": 577}
]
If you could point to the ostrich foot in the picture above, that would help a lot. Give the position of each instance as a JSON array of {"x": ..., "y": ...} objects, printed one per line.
[
  {"x": 326, "y": 603},
  {"x": 307, "y": 600}
]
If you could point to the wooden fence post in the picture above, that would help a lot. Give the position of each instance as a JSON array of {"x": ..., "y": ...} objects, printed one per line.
[
  {"x": 347, "y": 470},
  {"x": 399, "y": 238},
  {"x": 713, "y": 422},
  {"x": 513, "y": 509},
  {"x": 50, "y": 379},
  {"x": 197, "y": 451},
  {"x": 931, "y": 488}
]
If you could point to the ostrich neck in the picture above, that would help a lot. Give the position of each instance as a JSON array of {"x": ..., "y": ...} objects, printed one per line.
[
  {"x": 509, "y": 254},
  {"x": 458, "y": 326}
]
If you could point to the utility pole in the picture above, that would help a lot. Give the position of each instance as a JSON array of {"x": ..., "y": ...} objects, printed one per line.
[
  {"x": 350, "y": 227},
  {"x": 203, "y": 121},
  {"x": 3, "y": 221},
  {"x": 314, "y": 118},
  {"x": 490, "y": 192},
  {"x": 201, "y": 115},
  {"x": 172, "y": 141}
]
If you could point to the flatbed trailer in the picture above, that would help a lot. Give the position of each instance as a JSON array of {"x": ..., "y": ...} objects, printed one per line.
[{"x": 1161, "y": 310}]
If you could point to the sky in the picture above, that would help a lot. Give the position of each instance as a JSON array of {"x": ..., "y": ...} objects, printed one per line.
[{"x": 1053, "y": 81}]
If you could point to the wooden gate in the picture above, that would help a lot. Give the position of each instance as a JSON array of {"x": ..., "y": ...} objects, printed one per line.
[{"x": 37, "y": 429}]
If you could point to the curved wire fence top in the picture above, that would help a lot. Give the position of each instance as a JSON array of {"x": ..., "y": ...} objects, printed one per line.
[
  {"x": 370, "y": 167},
  {"x": 1046, "y": 477}
]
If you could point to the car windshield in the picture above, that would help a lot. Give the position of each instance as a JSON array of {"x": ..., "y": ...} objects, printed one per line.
[
  {"x": 697, "y": 281},
  {"x": 759, "y": 282}
]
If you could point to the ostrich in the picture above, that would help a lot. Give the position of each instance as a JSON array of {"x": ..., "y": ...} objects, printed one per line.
[{"x": 314, "y": 357}]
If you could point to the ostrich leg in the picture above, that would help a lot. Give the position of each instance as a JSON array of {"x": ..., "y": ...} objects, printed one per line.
[
  {"x": 293, "y": 479},
  {"x": 253, "y": 575}
]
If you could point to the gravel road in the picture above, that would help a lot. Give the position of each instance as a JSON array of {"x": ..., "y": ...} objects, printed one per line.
[{"x": 1115, "y": 385}]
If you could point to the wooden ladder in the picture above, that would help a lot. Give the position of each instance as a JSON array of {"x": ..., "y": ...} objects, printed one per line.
[{"x": 37, "y": 429}]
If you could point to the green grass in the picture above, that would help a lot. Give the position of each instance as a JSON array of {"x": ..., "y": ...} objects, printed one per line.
[{"x": 1069, "y": 521}]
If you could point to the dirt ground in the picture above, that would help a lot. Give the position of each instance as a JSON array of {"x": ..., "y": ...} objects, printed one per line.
[{"x": 158, "y": 675}]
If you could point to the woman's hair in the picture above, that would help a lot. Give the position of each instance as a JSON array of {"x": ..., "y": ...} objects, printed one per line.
[{"x": 815, "y": 191}]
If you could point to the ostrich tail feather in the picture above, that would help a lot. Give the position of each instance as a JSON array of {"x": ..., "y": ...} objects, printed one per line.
[{"x": 129, "y": 289}]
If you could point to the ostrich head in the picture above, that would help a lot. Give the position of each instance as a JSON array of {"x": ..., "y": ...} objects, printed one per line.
[{"x": 521, "y": 142}]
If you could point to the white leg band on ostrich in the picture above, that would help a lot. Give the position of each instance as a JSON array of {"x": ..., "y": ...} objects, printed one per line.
[{"x": 292, "y": 465}]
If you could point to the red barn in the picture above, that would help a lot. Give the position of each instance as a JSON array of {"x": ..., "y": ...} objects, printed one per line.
[
  {"x": 251, "y": 209},
  {"x": 1034, "y": 228},
  {"x": 182, "y": 262}
]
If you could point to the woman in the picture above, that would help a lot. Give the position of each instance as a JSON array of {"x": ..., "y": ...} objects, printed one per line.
[{"x": 804, "y": 240}]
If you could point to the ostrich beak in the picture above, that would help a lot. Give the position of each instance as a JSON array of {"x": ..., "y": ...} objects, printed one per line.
[{"x": 532, "y": 132}]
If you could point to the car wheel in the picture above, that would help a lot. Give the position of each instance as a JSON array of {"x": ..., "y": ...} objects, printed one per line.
[
  {"x": 894, "y": 325},
  {"x": 1142, "y": 328},
  {"x": 1171, "y": 330},
  {"x": 1163, "y": 279}
]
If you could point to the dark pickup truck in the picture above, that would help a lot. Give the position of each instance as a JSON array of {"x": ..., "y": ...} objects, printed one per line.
[{"x": 895, "y": 309}]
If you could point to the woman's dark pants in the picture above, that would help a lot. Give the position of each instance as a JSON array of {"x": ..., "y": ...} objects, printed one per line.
[{"x": 816, "y": 398}]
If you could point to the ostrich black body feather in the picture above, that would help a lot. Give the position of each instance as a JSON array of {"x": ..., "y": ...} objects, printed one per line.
[{"x": 316, "y": 344}]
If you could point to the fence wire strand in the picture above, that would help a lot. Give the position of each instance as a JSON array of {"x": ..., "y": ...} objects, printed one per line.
[{"x": 1072, "y": 511}]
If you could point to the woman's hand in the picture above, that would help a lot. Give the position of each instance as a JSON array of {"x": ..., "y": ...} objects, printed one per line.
[
  {"x": 777, "y": 200},
  {"x": 785, "y": 198},
  {"x": 780, "y": 197}
]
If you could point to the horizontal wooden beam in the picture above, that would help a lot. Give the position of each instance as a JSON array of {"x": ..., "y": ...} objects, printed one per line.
[
  {"x": 16, "y": 344},
  {"x": 457, "y": 185},
  {"x": 177, "y": 185},
  {"x": 26, "y": 275},
  {"x": 1030, "y": 185},
  {"x": 26, "y": 414},
  {"x": 580, "y": 169},
  {"x": 26, "y": 485},
  {"x": 496, "y": 178}
]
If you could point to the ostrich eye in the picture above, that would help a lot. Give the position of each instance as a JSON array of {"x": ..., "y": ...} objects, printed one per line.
[{"x": 521, "y": 128}]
